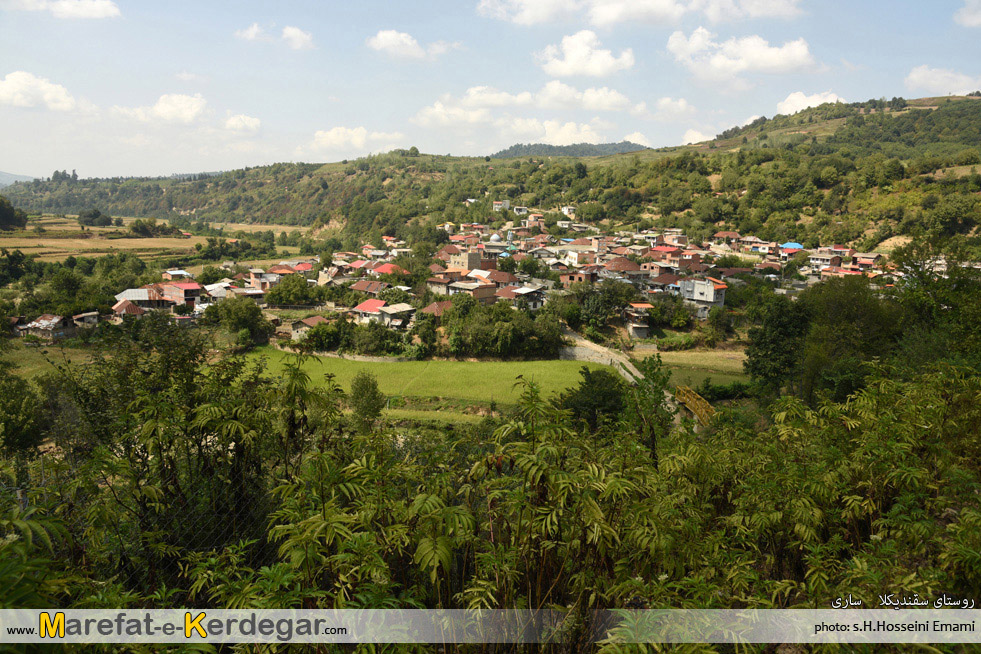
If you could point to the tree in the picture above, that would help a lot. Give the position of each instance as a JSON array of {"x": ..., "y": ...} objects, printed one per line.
[
  {"x": 647, "y": 409},
  {"x": 210, "y": 275},
  {"x": 292, "y": 289},
  {"x": 238, "y": 313},
  {"x": 11, "y": 218},
  {"x": 597, "y": 400},
  {"x": 366, "y": 400},
  {"x": 773, "y": 353}
]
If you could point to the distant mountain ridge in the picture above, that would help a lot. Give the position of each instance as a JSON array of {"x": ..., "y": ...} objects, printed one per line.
[
  {"x": 6, "y": 179},
  {"x": 575, "y": 150}
]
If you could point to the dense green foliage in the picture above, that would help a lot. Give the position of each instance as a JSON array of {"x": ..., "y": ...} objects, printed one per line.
[
  {"x": 828, "y": 341},
  {"x": 183, "y": 482}
]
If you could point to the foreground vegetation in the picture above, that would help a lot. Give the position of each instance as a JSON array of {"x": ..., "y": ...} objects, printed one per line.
[{"x": 178, "y": 481}]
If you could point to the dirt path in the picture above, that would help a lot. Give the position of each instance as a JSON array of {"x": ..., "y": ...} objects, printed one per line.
[{"x": 585, "y": 350}]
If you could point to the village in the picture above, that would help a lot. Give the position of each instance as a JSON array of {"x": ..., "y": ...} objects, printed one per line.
[{"x": 486, "y": 264}]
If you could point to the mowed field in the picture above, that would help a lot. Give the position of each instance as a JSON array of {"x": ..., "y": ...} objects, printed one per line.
[
  {"x": 692, "y": 367},
  {"x": 466, "y": 381},
  {"x": 62, "y": 237}
]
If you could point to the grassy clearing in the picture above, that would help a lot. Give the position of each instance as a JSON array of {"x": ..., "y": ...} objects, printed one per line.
[
  {"x": 692, "y": 367},
  {"x": 480, "y": 381},
  {"x": 31, "y": 361}
]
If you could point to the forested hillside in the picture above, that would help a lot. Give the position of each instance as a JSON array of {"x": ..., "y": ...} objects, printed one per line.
[
  {"x": 858, "y": 173},
  {"x": 576, "y": 150}
]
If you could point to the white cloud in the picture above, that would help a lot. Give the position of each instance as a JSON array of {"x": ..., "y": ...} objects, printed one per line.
[
  {"x": 797, "y": 101},
  {"x": 169, "y": 108},
  {"x": 347, "y": 139},
  {"x": 297, "y": 39},
  {"x": 725, "y": 61},
  {"x": 558, "y": 95},
  {"x": 23, "y": 89},
  {"x": 671, "y": 108},
  {"x": 488, "y": 96},
  {"x": 403, "y": 45},
  {"x": 397, "y": 44},
  {"x": 242, "y": 123},
  {"x": 608, "y": 12},
  {"x": 941, "y": 81},
  {"x": 605, "y": 99},
  {"x": 252, "y": 33},
  {"x": 749, "y": 120},
  {"x": 604, "y": 13},
  {"x": 970, "y": 14},
  {"x": 694, "y": 136},
  {"x": 638, "y": 138},
  {"x": 580, "y": 54},
  {"x": 445, "y": 112},
  {"x": 437, "y": 48},
  {"x": 553, "y": 132},
  {"x": 528, "y": 12},
  {"x": 292, "y": 36},
  {"x": 721, "y": 10},
  {"x": 67, "y": 8}
]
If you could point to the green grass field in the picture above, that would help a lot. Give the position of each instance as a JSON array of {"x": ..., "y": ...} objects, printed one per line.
[
  {"x": 30, "y": 361},
  {"x": 480, "y": 381}
]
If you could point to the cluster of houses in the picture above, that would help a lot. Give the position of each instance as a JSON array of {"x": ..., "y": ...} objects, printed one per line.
[{"x": 654, "y": 261}]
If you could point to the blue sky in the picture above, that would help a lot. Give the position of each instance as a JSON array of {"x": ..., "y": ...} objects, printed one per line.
[{"x": 118, "y": 87}]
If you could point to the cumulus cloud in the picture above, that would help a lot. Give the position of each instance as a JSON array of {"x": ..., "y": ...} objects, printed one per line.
[
  {"x": 397, "y": 44},
  {"x": 797, "y": 101},
  {"x": 670, "y": 108},
  {"x": 553, "y": 132},
  {"x": 941, "y": 81},
  {"x": 581, "y": 54},
  {"x": 558, "y": 95},
  {"x": 445, "y": 112},
  {"x": 488, "y": 96},
  {"x": 608, "y": 12},
  {"x": 638, "y": 138},
  {"x": 722, "y": 10},
  {"x": 694, "y": 136},
  {"x": 297, "y": 39},
  {"x": 472, "y": 106},
  {"x": 70, "y": 9},
  {"x": 970, "y": 14},
  {"x": 169, "y": 108},
  {"x": 404, "y": 46},
  {"x": 291, "y": 35},
  {"x": 187, "y": 76},
  {"x": 347, "y": 139},
  {"x": 23, "y": 89},
  {"x": 252, "y": 33},
  {"x": 528, "y": 12},
  {"x": 242, "y": 123},
  {"x": 725, "y": 61},
  {"x": 604, "y": 13}
]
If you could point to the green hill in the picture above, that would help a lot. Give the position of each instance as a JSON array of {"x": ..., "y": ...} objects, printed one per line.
[
  {"x": 859, "y": 173},
  {"x": 575, "y": 150}
]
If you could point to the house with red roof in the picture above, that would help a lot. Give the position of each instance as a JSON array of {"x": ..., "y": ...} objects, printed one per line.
[
  {"x": 298, "y": 328},
  {"x": 369, "y": 311},
  {"x": 437, "y": 308},
  {"x": 369, "y": 287},
  {"x": 389, "y": 269}
]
